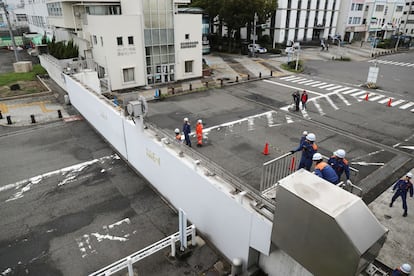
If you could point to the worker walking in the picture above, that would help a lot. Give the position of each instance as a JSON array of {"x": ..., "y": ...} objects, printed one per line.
[
  {"x": 340, "y": 164},
  {"x": 177, "y": 135},
  {"x": 401, "y": 188},
  {"x": 187, "y": 131},
  {"x": 324, "y": 170},
  {"x": 296, "y": 99},
  {"x": 403, "y": 270},
  {"x": 199, "y": 133},
  {"x": 308, "y": 148}
]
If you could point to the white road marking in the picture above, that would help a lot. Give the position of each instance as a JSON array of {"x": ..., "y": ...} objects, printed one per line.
[
  {"x": 26, "y": 184},
  {"x": 305, "y": 114},
  {"x": 343, "y": 99},
  {"x": 288, "y": 77},
  {"x": 318, "y": 107},
  {"x": 397, "y": 102},
  {"x": 288, "y": 119},
  {"x": 307, "y": 82},
  {"x": 350, "y": 91},
  {"x": 341, "y": 89},
  {"x": 293, "y": 87},
  {"x": 407, "y": 147},
  {"x": 319, "y": 84},
  {"x": 376, "y": 98},
  {"x": 331, "y": 103},
  {"x": 358, "y": 93},
  {"x": 314, "y": 82},
  {"x": 362, "y": 163},
  {"x": 300, "y": 79},
  {"x": 407, "y": 105},
  {"x": 385, "y": 100},
  {"x": 332, "y": 88},
  {"x": 326, "y": 86}
]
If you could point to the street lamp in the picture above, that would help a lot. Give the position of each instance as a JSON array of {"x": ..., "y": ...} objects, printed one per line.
[
  {"x": 254, "y": 34},
  {"x": 2, "y": 5}
]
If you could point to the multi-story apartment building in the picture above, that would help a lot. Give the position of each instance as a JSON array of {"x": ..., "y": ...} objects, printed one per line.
[
  {"x": 351, "y": 24},
  {"x": 132, "y": 43},
  {"x": 299, "y": 20},
  {"x": 407, "y": 21},
  {"x": 382, "y": 17},
  {"x": 37, "y": 17}
]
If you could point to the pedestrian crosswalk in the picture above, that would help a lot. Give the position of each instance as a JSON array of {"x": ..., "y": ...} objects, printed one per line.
[
  {"x": 344, "y": 94},
  {"x": 405, "y": 64}
]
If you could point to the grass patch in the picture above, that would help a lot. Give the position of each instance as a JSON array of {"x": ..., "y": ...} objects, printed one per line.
[
  {"x": 12, "y": 78},
  {"x": 291, "y": 66}
]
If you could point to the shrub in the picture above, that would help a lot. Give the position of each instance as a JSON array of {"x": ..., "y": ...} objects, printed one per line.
[
  {"x": 62, "y": 50},
  {"x": 275, "y": 51},
  {"x": 291, "y": 66}
]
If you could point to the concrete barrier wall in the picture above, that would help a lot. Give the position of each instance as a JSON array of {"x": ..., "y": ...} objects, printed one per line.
[
  {"x": 53, "y": 69},
  {"x": 233, "y": 227}
]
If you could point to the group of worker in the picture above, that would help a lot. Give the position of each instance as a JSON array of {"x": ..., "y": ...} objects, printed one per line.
[
  {"x": 186, "y": 130},
  {"x": 331, "y": 170}
]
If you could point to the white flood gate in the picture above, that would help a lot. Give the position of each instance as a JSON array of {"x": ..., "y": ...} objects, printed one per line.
[{"x": 149, "y": 250}]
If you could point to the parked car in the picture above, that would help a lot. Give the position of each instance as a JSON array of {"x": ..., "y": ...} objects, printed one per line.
[{"x": 256, "y": 48}]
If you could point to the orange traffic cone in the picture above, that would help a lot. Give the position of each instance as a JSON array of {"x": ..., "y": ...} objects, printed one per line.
[
  {"x": 266, "y": 149},
  {"x": 366, "y": 96},
  {"x": 389, "y": 102}
]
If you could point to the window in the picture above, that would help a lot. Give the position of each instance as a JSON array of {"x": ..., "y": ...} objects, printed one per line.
[
  {"x": 94, "y": 40},
  {"x": 119, "y": 40},
  {"x": 399, "y": 9},
  {"x": 350, "y": 20},
  {"x": 128, "y": 74},
  {"x": 359, "y": 7},
  {"x": 130, "y": 40},
  {"x": 187, "y": 36},
  {"x": 356, "y": 20},
  {"x": 101, "y": 41},
  {"x": 366, "y": 8},
  {"x": 352, "y": 6},
  {"x": 379, "y": 8},
  {"x": 188, "y": 66}
]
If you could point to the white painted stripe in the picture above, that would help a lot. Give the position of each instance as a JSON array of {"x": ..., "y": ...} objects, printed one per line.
[
  {"x": 332, "y": 103},
  {"x": 411, "y": 65},
  {"x": 341, "y": 89},
  {"x": 319, "y": 84},
  {"x": 295, "y": 78},
  {"x": 407, "y": 105},
  {"x": 350, "y": 91},
  {"x": 335, "y": 87},
  {"x": 369, "y": 95},
  {"x": 376, "y": 98},
  {"x": 405, "y": 63},
  {"x": 285, "y": 108},
  {"x": 289, "y": 119},
  {"x": 385, "y": 100},
  {"x": 326, "y": 86},
  {"x": 397, "y": 102},
  {"x": 288, "y": 77},
  {"x": 318, "y": 107},
  {"x": 305, "y": 114},
  {"x": 305, "y": 82},
  {"x": 314, "y": 82},
  {"x": 343, "y": 99},
  {"x": 301, "y": 79},
  {"x": 293, "y": 87},
  {"x": 359, "y": 93}
]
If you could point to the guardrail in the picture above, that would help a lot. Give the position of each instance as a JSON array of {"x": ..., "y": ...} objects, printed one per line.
[{"x": 127, "y": 262}]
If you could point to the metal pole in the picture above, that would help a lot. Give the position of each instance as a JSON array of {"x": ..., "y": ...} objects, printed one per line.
[
  {"x": 254, "y": 34},
  {"x": 10, "y": 30},
  {"x": 297, "y": 60}
]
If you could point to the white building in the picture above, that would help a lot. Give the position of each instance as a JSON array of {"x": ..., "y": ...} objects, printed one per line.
[
  {"x": 382, "y": 17},
  {"x": 299, "y": 20},
  {"x": 407, "y": 21},
  {"x": 131, "y": 43},
  {"x": 351, "y": 24},
  {"x": 36, "y": 14}
]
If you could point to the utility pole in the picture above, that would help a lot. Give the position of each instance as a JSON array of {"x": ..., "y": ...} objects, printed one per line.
[
  {"x": 254, "y": 34},
  {"x": 2, "y": 5}
]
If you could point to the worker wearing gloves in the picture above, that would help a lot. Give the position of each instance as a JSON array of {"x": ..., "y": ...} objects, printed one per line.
[
  {"x": 324, "y": 170},
  {"x": 403, "y": 270},
  {"x": 340, "y": 164},
  {"x": 401, "y": 188},
  {"x": 308, "y": 148}
]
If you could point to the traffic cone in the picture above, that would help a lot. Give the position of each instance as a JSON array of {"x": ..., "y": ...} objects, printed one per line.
[
  {"x": 366, "y": 96},
  {"x": 389, "y": 102},
  {"x": 266, "y": 149}
]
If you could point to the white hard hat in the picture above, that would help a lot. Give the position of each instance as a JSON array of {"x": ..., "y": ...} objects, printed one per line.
[
  {"x": 311, "y": 137},
  {"x": 406, "y": 268},
  {"x": 410, "y": 175},
  {"x": 340, "y": 153},
  {"x": 305, "y": 133},
  {"x": 200, "y": 121},
  {"x": 177, "y": 130},
  {"x": 317, "y": 156},
  {"x": 185, "y": 119}
]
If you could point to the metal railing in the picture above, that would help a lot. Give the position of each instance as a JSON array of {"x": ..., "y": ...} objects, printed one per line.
[
  {"x": 127, "y": 262},
  {"x": 278, "y": 168}
]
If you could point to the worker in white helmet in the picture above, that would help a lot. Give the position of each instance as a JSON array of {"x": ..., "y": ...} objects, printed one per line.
[
  {"x": 199, "y": 133},
  {"x": 177, "y": 135},
  {"x": 187, "y": 131},
  {"x": 401, "y": 188},
  {"x": 340, "y": 164},
  {"x": 308, "y": 148},
  {"x": 303, "y": 137},
  {"x": 323, "y": 170},
  {"x": 403, "y": 270}
]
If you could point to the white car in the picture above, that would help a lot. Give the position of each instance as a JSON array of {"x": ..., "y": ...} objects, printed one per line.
[{"x": 256, "y": 48}]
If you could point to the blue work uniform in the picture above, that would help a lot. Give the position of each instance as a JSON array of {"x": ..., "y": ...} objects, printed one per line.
[
  {"x": 187, "y": 131},
  {"x": 326, "y": 172},
  {"x": 340, "y": 165},
  {"x": 398, "y": 272},
  {"x": 308, "y": 150},
  {"x": 402, "y": 187}
]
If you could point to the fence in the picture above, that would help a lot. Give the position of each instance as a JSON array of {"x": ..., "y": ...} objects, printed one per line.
[{"x": 147, "y": 251}]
